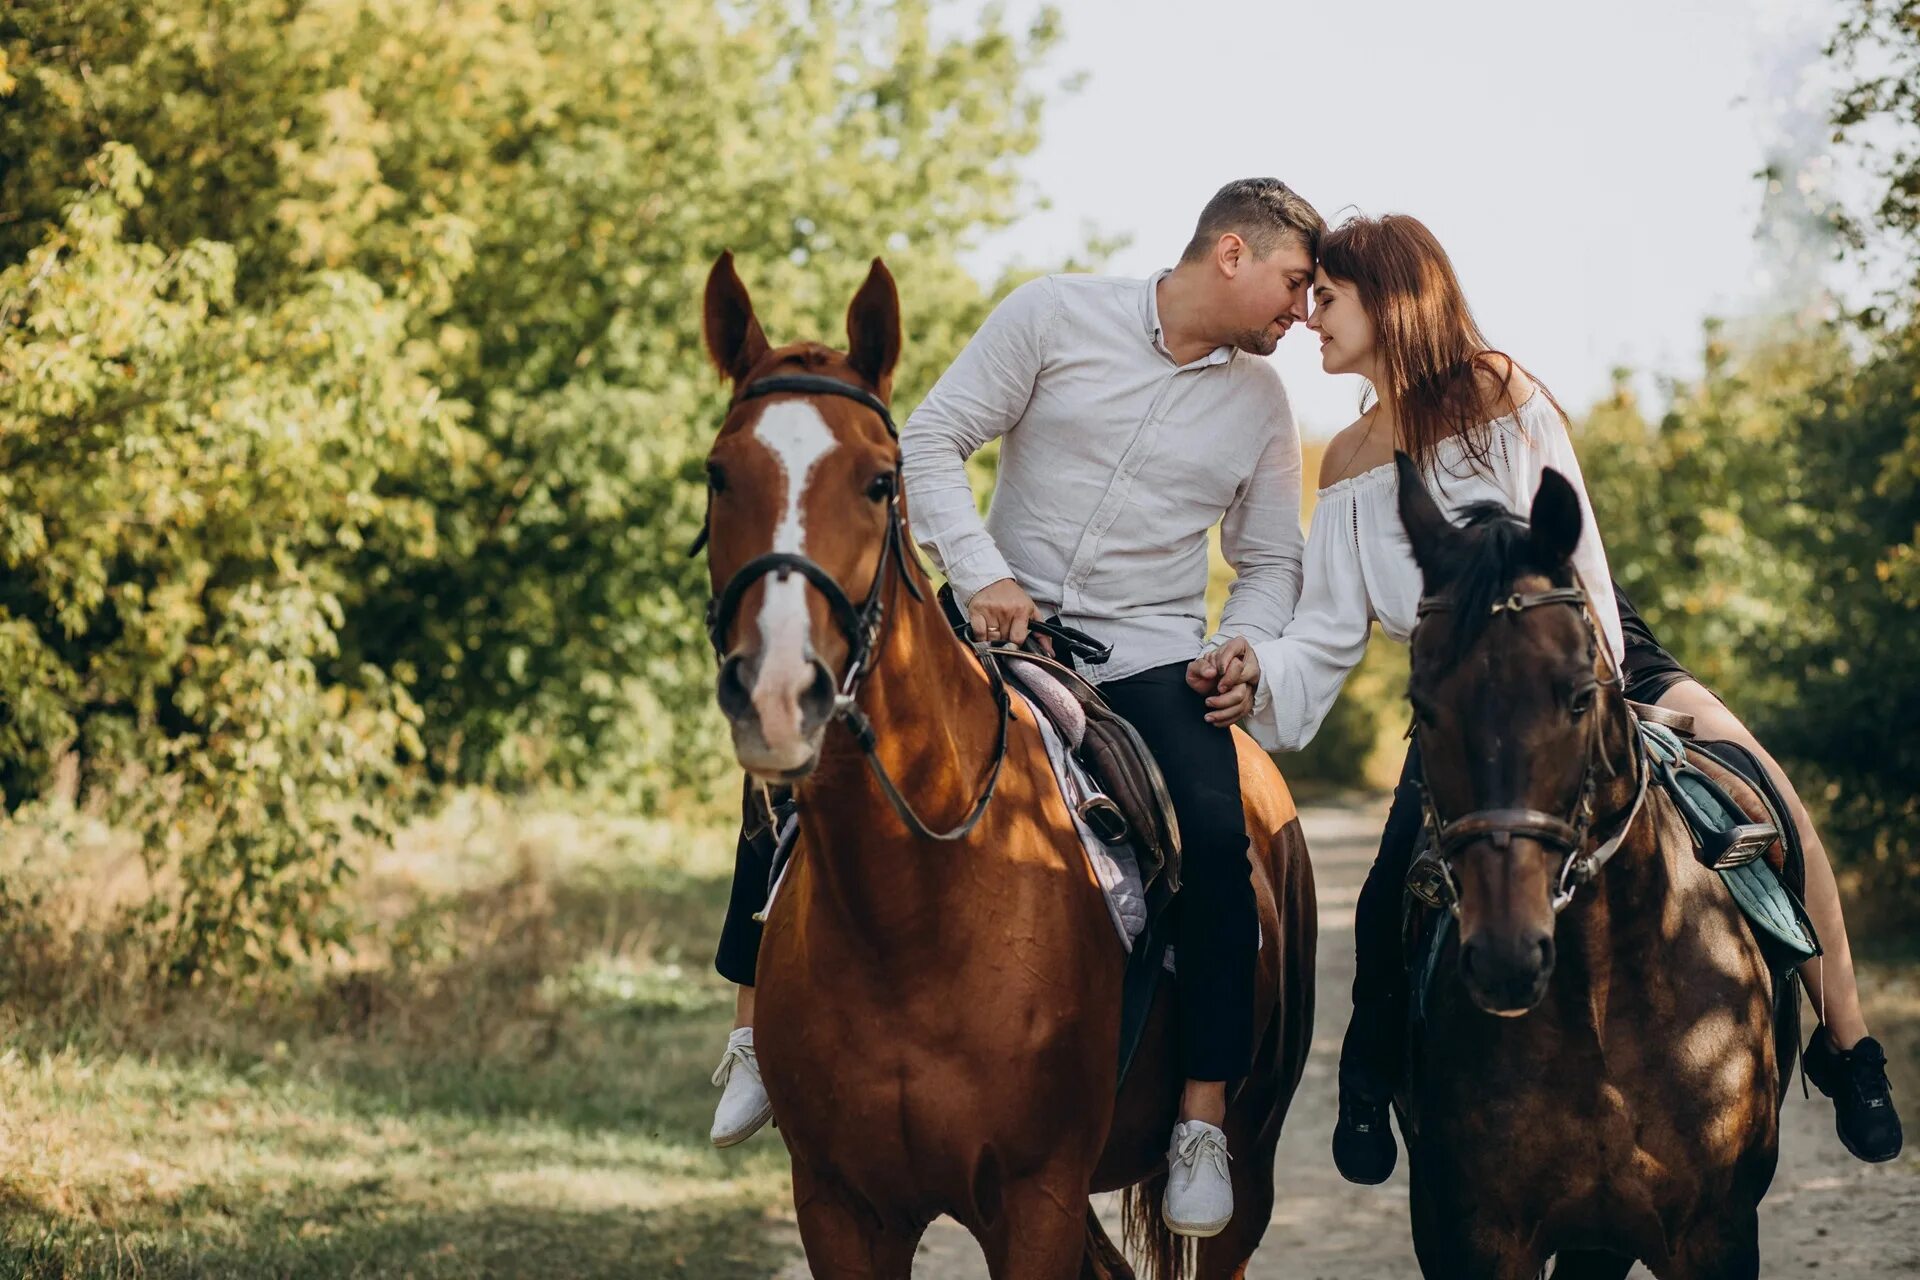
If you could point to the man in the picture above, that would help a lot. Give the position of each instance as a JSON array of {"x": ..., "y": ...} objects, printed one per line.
[{"x": 1135, "y": 415}]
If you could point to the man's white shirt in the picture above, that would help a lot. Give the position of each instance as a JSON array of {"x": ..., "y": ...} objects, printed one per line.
[{"x": 1115, "y": 462}]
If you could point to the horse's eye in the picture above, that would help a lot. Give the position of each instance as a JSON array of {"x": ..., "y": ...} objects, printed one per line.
[
  {"x": 716, "y": 478},
  {"x": 1423, "y": 711},
  {"x": 1582, "y": 702},
  {"x": 880, "y": 488}
]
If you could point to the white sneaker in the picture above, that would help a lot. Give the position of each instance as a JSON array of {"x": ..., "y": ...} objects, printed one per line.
[
  {"x": 1199, "y": 1200},
  {"x": 743, "y": 1106}
]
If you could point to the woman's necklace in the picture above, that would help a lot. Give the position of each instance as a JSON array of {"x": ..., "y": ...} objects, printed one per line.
[{"x": 1355, "y": 451}]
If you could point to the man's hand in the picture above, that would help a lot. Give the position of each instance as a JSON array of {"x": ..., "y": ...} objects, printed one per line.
[
  {"x": 1001, "y": 611},
  {"x": 1229, "y": 676}
]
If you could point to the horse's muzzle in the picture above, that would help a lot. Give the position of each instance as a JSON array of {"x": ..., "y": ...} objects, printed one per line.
[
  {"x": 1507, "y": 973},
  {"x": 777, "y": 716}
]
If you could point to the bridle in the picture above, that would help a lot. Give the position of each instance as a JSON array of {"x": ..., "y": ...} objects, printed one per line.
[
  {"x": 1569, "y": 835},
  {"x": 863, "y": 625}
]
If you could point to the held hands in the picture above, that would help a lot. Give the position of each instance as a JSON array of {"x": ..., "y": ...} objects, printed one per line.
[
  {"x": 1229, "y": 675},
  {"x": 1000, "y": 612}
]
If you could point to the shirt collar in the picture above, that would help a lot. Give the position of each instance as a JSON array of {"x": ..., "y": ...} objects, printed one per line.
[{"x": 1150, "y": 317}]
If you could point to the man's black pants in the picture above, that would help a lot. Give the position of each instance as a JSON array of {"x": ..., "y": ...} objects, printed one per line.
[{"x": 1216, "y": 929}]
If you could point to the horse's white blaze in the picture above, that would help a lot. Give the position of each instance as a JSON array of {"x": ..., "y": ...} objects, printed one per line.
[{"x": 798, "y": 438}]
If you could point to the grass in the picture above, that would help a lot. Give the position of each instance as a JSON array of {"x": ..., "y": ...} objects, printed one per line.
[{"x": 508, "y": 1079}]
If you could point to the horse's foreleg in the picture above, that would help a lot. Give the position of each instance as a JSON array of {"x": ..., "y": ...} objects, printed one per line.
[
  {"x": 1585, "y": 1264},
  {"x": 1725, "y": 1250},
  {"x": 1450, "y": 1246},
  {"x": 1041, "y": 1232},
  {"x": 844, "y": 1238},
  {"x": 1102, "y": 1261}
]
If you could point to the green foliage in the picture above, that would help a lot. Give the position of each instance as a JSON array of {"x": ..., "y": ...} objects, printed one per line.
[
  {"x": 1769, "y": 523},
  {"x": 1766, "y": 525},
  {"x": 1878, "y": 117},
  {"x": 177, "y": 475},
  {"x": 351, "y": 385}
]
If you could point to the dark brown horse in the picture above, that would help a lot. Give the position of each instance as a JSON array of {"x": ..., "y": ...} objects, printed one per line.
[
  {"x": 1596, "y": 1076},
  {"x": 939, "y": 983}
]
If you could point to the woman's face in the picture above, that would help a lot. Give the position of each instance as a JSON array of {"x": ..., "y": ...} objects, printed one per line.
[{"x": 1346, "y": 335}]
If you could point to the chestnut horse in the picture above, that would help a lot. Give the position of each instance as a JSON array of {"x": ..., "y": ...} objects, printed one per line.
[
  {"x": 1595, "y": 1077},
  {"x": 938, "y": 1011}
]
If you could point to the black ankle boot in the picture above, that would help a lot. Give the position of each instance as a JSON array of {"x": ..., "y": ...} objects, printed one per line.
[
  {"x": 1363, "y": 1147},
  {"x": 1856, "y": 1080}
]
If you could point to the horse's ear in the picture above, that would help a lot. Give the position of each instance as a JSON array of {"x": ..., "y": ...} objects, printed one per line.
[
  {"x": 1555, "y": 520},
  {"x": 734, "y": 339},
  {"x": 1428, "y": 529},
  {"x": 873, "y": 329}
]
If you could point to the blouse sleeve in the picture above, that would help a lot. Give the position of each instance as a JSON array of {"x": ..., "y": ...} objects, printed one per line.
[
  {"x": 1302, "y": 670},
  {"x": 1549, "y": 445}
]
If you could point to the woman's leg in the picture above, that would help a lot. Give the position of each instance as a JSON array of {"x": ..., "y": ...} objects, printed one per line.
[
  {"x": 1372, "y": 1052},
  {"x": 1846, "y": 1063},
  {"x": 1829, "y": 977}
]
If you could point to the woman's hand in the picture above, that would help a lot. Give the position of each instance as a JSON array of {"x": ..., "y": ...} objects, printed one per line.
[{"x": 1229, "y": 675}]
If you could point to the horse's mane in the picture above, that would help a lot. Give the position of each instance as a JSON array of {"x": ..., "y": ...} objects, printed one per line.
[{"x": 1491, "y": 547}]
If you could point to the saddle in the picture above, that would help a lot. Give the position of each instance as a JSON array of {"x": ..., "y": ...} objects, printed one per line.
[{"x": 1132, "y": 806}]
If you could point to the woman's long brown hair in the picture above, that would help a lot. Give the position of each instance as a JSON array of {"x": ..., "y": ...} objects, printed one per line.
[{"x": 1429, "y": 345}]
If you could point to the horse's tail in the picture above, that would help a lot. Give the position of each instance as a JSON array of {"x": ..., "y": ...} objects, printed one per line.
[{"x": 1161, "y": 1255}]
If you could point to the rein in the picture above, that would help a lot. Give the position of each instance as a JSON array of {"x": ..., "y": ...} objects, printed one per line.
[
  {"x": 1500, "y": 826},
  {"x": 864, "y": 624}
]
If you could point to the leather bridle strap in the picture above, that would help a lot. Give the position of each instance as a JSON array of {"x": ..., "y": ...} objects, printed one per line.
[
  {"x": 801, "y": 384},
  {"x": 1518, "y": 602},
  {"x": 862, "y": 730},
  {"x": 1501, "y": 826},
  {"x": 863, "y": 625},
  {"x": 721, "y": 608}
]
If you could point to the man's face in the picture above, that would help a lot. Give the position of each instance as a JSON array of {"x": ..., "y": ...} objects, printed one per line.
[{"x": 1264, "y": 296}]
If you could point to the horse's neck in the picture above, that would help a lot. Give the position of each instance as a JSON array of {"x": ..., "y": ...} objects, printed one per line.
[
  {"x": 1623, "y": 908},
  {"x": 935, "y": 726}
]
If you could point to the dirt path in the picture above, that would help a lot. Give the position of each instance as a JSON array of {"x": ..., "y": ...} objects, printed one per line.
[{"x": 1827, "y": 1214}]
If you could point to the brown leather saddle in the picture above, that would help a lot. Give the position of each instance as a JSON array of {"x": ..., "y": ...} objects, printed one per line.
[{"x": 1133, "y": 806}]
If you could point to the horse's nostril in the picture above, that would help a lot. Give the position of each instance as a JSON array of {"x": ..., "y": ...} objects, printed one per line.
[
  {"x": 1546, "y": 954},
  {"x": 735, "y": 691},
  {"x": 816, "y": 703}
]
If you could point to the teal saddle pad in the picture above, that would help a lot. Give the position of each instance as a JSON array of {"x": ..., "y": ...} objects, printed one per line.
[{"x": 1773, "y": 909}]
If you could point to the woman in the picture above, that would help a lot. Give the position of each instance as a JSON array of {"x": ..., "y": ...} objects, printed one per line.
[{"x": 1388, "y": 307}]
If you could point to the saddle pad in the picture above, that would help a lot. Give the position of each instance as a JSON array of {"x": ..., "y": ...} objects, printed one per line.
[
  {"x": 1114, "y": 866},
  {"x": 1770, "y": 907},
  {"x": 1055, "y": 699}
]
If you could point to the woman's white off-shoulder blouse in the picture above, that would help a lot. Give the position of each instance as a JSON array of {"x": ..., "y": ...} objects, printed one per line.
[{"x": 1360, "y": 568}]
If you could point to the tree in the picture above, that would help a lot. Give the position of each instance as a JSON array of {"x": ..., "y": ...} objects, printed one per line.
[{"x": 352, "y": 388}]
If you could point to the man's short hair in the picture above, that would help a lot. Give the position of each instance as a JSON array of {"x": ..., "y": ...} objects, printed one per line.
[{"x": 1264, "y": 212}]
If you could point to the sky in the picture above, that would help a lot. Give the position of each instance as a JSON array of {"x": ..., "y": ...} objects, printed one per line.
[{"x": 1590, "y": 168}]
